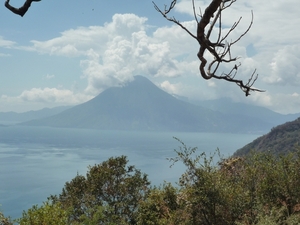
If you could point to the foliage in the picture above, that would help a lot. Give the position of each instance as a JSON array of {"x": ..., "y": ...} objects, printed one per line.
[
  {"x": 214, "y": 194},
  {"x": 260, "y": 188},
  {"x": 47, "y": 214},
  {"x": 4, "y": 220},
  {"x": 244, "y": 189},
  {"x": 110, "y": 193},
  {"x": 163, "y": 206},
  {"x": 280, "y": 140}
]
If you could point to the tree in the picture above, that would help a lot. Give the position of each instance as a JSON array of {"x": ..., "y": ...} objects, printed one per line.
[
  {"x": 211, "y": 195},
  {"x": 163, "y": 206},
  {"x": 110, "y": 193},
  {"x": 47, "y": 214},
  {"x": 5, "y": 220},
  {"x": 219, "y": 49},
  {"x": 260, "y": 188}
]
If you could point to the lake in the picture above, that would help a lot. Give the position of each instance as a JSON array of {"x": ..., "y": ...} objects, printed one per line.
[{"x": 35, "y": 162}]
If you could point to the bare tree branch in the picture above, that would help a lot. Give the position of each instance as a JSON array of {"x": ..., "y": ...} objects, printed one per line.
[
  {"x": 221, "y": 48},
  {"x": 172, "y": 19},
  {"x": 23, "y": 9},
  {"x": 195, "y": 15}
]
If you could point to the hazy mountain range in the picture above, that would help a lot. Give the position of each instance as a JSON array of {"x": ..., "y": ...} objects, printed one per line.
[
  {"x": 141, "y": 105},
  {"x": 225, "y": 105},
  {"x": 13, "y": 117}
]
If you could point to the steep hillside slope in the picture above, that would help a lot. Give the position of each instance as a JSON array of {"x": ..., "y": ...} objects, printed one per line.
[{"x": 279, "y": 140}]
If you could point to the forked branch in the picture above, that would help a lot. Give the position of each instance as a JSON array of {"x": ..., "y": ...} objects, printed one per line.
[{"x": 221, "y": 48}]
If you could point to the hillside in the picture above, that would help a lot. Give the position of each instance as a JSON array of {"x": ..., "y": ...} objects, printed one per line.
[
  {"x": 141, "y": 105},
  {"x": 280, "y": 140}
]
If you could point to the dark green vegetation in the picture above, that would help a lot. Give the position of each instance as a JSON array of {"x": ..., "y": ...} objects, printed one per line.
[
  {"x": 280, "y": 140},
  {"x": 260, "y": 188},
  {"x": 4, "y": 220}
]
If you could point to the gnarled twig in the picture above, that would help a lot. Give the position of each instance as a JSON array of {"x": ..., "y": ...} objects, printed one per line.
[{"x": 221, "y": 49}]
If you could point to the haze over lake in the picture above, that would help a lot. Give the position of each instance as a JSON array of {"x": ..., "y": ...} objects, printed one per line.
[{"x": 35, "y": 162}]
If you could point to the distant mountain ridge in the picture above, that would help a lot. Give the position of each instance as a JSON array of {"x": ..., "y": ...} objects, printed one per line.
[
  {"x": 280, "y": 140},
  {"x": 225, "y": 105},
  {"x": 13, "y": 117},
  {"x": 141, "y": 105}
]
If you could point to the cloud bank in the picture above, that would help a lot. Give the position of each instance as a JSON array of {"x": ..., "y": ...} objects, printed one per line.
[
  {"x": 117, "y": 51},
  {"x": 111, "y": 54}
]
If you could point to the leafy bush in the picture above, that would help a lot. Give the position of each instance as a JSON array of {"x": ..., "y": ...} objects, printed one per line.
[
  {"x": 260, "y": 188},
  {"x": 4, "y": 220},
  {"x": 47, "y": 214},
  {"x": 110, "y": 192}
]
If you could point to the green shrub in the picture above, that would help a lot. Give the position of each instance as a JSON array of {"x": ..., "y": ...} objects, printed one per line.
[
  {"x": 110, "y": 193},
  {"x": 47, "y": 214},
  {"x": 4, "y": 220}
]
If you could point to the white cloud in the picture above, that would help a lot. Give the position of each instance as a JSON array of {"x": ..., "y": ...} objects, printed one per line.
[
  {"x": 171, "y": 88},
  {"x": 283, "y": 103},
  {"x": 52, "y": 95},
  {"x": 76, "y": 42},
  {"x": 6, "y": 43},
  {"x": 185, "y": 6},
  {"x": 276, "y": 47},
  {"x": 4, "y": 55},
  {"x": 117, "y": 51},
  {"x": 112, "y": 54},
  {"x": 48, "y": 76},
  {"x": 285, "y": 66},
  {"x": 37, "y": 98}
]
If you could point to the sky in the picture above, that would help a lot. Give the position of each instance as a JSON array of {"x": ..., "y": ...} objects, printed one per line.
[{"x": 65, "y": 53}]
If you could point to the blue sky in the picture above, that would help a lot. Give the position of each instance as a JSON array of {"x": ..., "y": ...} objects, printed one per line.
[{"x": 65, "y": 53}]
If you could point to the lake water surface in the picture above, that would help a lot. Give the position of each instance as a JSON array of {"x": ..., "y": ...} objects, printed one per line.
[{"x": 35, "y": 162}]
